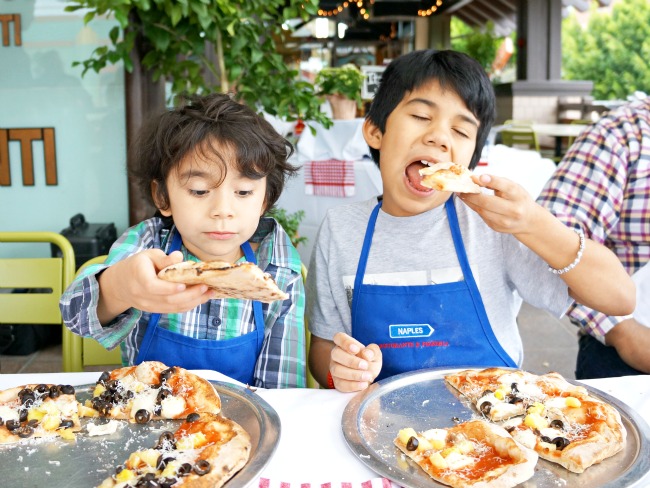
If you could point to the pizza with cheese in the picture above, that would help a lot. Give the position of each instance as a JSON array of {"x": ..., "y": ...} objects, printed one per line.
[
  {"x": 205, "y": 451},
  {"x": 474, "y": 454},
  {"x": 151, "y": 391},
  {"x": 242, "y": 280},
  {"x": 500, "y": 393},
  {"x": 36, "y": 411},
  {"x": 449, "y": 177},
  {"x": 562, "y": 422}
]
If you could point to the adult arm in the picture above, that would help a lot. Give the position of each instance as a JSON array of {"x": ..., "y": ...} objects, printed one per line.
[{"x": 632, "y": 342}]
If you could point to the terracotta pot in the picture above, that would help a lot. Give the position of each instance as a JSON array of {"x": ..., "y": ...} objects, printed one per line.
[{"x": 342, "y": 107}]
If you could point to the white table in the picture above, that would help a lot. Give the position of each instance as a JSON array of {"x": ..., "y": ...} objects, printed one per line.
[
  {"x": 314, "y": 416},
  {"x": 557, "y": 131}
]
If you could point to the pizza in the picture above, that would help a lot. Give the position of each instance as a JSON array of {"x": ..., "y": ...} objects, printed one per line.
[
  {"x": 449, "y": 177},
  {"x": 205, "y": 451},
  {"x": 38, "y": 411},
  {"x": 500, "y": 393},
  {"x": 151, "y": 391},
  {"x": 562, "y": 422},
  {"x": 474, "y": 454},
  {"x": 242, "y": 280}
]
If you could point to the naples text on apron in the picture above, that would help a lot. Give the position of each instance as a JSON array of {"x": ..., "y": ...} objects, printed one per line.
[
  {"x": 425, "y": 326},
  {"x": 234, "y": 357}
]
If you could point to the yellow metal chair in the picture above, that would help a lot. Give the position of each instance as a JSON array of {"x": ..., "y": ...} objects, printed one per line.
[
  {"x": 311, "y": 381},
  {"x": 85, "y": 351},
  {"x": 45, "y": 279},
  {"x": 520, "y": 135}
]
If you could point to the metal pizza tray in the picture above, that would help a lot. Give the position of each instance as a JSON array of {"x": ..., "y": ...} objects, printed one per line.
[
  {"x": 423, "y": 400},
  {"x": 89, "y": 460}
]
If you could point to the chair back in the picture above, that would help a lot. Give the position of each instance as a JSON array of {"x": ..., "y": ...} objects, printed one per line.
[
  {"x": 311, "y": 381},
  {"x": 30, "y": 288},
  {"x": 85, "y": 351},
  {"x": 520, "y": 135}
]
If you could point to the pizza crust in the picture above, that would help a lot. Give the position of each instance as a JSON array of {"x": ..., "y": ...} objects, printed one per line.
[
  {"x": 242, "y": 280},
  {"x": 449, "y": 177}
]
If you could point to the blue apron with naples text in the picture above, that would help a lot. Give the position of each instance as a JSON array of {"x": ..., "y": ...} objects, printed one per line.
[
  {"x": 425, "y": 326},
  {"x": 234, "y": 357}
]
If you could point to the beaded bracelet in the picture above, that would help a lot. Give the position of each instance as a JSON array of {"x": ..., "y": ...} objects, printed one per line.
[{"x": 575, "y": 262}]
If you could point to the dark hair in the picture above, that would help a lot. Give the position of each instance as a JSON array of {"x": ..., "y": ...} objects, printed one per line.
[
  {"x": 453, "y": 70},
  {"x": 207, "y": 125}
]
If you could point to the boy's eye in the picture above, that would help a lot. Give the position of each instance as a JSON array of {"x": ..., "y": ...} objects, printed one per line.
[
  {"x": 419, "y": 117},
  {"x": 244, "y": 193},
  {"x": 198, "y": 193}
]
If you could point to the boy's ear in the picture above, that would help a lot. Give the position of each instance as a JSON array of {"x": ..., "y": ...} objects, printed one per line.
[
  {"x": 157, "y": 200},
  {"x": 372, "y": 134}
]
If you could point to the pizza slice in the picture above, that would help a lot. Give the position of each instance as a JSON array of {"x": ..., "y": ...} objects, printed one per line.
[
  {"x": 35, "y": 411},
  {"x": 473, "y": 454},
  {"x": 205, "y": 451},
  {"x": 449, "y": 177},
  {"x": 151, "y": 391},
  {"x": 499, "y": 393},
  {"x": 573, "y": 432},
  {"x": 243, "y": 280}
]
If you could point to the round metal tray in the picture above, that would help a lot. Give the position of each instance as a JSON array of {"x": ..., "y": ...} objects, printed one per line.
[
  {"x": 89, "y": 460},
  {"x": 423, "y": 400}
]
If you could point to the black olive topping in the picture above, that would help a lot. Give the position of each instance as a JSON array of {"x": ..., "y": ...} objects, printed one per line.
[
  {"x": 557, "y": 423},
  {"x": 510, "y": 429},
  {"x": 560, "y": 442},
  {"x": 22, "y": 414},
  {"x": 162, "y": 394},
  {"x": 54, "y": 392},
  {"x": 12, "y": 425},
  {"x": 546, "y": 439},
  {"x": 105, "y": 376},
  {"x": 485, "y": 408},
  {"x": 412, "y": 444},
  {"x": 514, "y": 388},
  {"x": 24, "y": 431},
  {"x": 487, "y": 392},
  {"x": 67, "y": 389},
  {"x": 167, "y": 482},
  {"x": 65, "y": 424},
  {"x": 202, "y": 467},
  {"x": 142, "y": 416},
  {"x": 184, "y": 469},
  {"x": 513, "y": 399},
  {"x": 164, "y": 375},
  {"x": 162, "y": 461},
  {"x": 119, "y": 469},
  {"x": 157, "y": 409},
  {"x": 2, "y": 422},
  {"x": 193, "y": 417},
  {"x": 166, "y": 439},
  {"x": 42, "y": 389},
  {"x": 32, "y": 423}
]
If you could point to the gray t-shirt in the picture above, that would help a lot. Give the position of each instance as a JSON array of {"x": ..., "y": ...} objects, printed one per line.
[{"x": 419, "y": 250}]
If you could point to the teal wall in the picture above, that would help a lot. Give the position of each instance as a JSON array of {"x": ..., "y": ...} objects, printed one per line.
[{"x": 40, "y": 88}]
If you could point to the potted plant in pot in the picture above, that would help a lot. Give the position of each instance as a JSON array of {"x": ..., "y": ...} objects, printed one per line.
[{"x": 342, "y": 88}]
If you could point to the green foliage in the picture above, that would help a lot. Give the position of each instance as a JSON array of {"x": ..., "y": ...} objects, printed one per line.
[
  {"x": 482, "y": 45},
  {"x": 612, "y": 50},
  {"x": 290, "y": 223},
  {"x": 175, "y": 39},
  {"x": 346, "y": 80}
]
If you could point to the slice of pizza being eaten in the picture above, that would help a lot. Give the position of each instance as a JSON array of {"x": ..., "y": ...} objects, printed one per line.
[
  {"x": 151, "y": 391},
  {"x": 38, "y": 411},
  {"x": 242, "y": 280},
  {"x": 205, "y": 451},
  {"x": 449, "y": 177},
  {"x": 473, "y": 454}
]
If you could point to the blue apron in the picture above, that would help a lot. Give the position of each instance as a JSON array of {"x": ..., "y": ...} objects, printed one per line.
[
  {"x": 234, "y": 357},
  {"x": 425, "y": 326}
]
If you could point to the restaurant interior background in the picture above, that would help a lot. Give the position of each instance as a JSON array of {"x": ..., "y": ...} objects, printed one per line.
[{"x": 63, "y": 136}]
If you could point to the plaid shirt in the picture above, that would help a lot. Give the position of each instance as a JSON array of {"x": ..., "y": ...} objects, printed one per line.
[
  {"x": 603, "y": 187},
  {"x": 281, "y": 363}
]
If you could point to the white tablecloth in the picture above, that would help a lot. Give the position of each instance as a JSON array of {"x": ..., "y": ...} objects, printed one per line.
[{"x": 312, "y": 448}]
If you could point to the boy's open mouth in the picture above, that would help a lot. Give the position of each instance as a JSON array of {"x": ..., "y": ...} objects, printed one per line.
[{"x": 414, "y": 177}]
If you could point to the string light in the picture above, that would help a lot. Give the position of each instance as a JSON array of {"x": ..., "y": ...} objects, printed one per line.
[{"x": 364, "y": 4}]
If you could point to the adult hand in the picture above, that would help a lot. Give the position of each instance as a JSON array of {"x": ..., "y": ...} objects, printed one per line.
[
  {"x": 353, "y": 366},
  {"x": 134, "y": 283}
]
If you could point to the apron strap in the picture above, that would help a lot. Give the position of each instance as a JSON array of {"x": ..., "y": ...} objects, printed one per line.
[{"x": 365, "y": 250}]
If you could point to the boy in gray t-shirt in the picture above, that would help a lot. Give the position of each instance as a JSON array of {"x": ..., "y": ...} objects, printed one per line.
[{"x": 419, "y": 278}]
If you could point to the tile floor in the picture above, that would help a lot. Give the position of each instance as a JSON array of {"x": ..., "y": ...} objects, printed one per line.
[{"x": 549, "y": 345}]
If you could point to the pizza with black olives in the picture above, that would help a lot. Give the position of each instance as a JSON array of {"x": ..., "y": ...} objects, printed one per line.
[
  {"x": 473, "y": 454},
  {"x": 562, "y": 422},
  {"x": 205, "y": 451},
  {"x": 35, "y": 411},
  {"x": 151, "y": 391}
]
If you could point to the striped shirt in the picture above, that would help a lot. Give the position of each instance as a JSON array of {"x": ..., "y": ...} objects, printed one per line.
[
  {"x": 281, "y": 363},
  {"x": 603, "y": 187}
]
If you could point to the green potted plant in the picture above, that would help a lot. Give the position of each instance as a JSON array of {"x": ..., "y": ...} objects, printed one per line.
[
  {"x": 342, "y": 88},
  {"x": 290, "y": 223}
]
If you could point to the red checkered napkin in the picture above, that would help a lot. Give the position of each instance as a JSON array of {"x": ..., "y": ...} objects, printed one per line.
[
  {"x": 330, "y": 178},
  {"x": 373, "y": 483}
]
